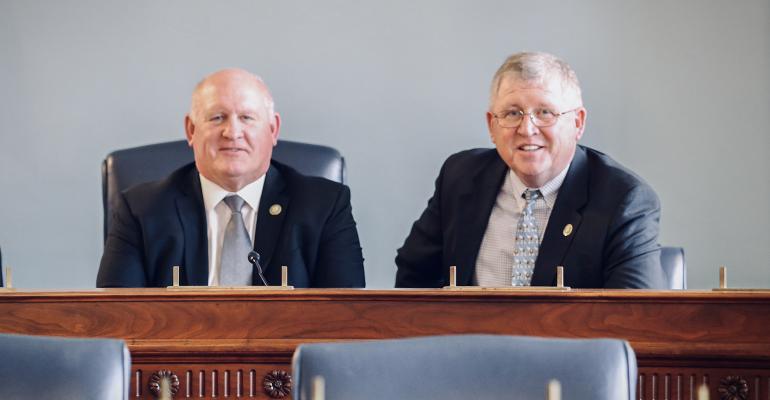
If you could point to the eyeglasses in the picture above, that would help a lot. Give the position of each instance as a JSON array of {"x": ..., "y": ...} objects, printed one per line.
[{"x": 540, "y": 117}]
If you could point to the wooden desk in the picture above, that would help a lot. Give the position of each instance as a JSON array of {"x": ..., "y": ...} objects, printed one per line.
[{"x": 218, "y": 342}]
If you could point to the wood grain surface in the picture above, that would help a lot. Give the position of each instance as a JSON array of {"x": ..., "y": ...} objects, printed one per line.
[{"x": 219, "y": 341}]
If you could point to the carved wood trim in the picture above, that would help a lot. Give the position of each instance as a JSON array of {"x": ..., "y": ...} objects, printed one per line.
[
  {"x": 153, "y": 384},
  {"x": 277, "y": 384},
  {"x": 733, "y": 388},
  {"x": 681, "y": 338}
]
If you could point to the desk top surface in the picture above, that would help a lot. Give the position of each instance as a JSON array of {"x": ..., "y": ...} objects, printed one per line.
[{"x": 153, "y": 294}]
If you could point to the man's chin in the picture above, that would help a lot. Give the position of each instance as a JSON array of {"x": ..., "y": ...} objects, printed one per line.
[
  {"x": 529, "y": 167},
  {"x": 530, "y": 174},
  {"x": 241, "y": 172}
]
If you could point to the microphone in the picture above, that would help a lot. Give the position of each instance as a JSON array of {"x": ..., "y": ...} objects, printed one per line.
[{"x": 254, "y": 260}]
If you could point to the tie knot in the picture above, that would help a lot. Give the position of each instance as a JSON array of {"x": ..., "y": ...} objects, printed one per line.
[
  {"x": 531, "y": 195},
  {"x": 235, "y": 203}
]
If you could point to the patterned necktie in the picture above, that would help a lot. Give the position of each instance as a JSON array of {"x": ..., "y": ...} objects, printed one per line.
[
  {"x": 235, "y": 269},
  {"x": 527, "y": 242}
]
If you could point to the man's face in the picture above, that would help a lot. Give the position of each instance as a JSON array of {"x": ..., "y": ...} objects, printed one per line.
[
  {"x": 231, "y": 130},
  {"x": 536, "y": 154}
]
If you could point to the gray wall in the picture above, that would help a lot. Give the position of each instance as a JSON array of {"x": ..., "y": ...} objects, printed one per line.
[{"x": 677, "y": 90}]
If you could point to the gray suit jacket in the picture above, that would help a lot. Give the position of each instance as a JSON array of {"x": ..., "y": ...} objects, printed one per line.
[{"x": 614, "y": 215}]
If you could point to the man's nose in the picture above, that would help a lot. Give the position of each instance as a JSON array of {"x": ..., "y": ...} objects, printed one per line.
[
  {"x": 232, "y": 128},
  {"x": 527, "y": 127}
]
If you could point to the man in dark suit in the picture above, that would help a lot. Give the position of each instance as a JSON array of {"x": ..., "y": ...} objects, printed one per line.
[
  {"x": 207, "y": 216},
  {"x": 509, "y": 216}
]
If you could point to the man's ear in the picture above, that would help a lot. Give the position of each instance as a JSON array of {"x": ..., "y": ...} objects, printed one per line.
[
  {"x": 490, "y": 121},
  {"x": 189, "y": 129},
  {"x": 580, "y": 122},
  {"x": 275, "y": 128}
]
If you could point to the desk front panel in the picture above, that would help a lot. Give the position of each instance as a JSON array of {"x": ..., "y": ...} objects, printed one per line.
[{"x": 217, "y": 343}]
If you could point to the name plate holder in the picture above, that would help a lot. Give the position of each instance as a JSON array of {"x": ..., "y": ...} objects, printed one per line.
[
  {"x": 8, "y": 281},
  {"x": 559, "y": 284},
  {"x": 284, "y": 284},
  {"x": 723, "y": 284}
]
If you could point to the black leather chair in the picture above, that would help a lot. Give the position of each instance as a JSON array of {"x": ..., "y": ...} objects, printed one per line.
[
  {"x": 467, "y": 367},
  {"x": 2, "y": 270},
  {"x": 41, "y": 367},
  {"x": 672, "y": 261},
  {"x": 125, "y": 168}
]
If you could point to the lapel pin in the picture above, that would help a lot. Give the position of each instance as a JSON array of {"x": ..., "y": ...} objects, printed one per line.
[
  {"x": 275, "y": 209},
  {"x": 567, "y": 230}
]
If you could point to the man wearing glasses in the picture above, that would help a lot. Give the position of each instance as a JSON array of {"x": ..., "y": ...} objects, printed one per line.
[{"x": 509, "y": 216}]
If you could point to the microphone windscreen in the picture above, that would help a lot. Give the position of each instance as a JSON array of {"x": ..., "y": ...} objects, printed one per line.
[{"x": 253, "y": 257}]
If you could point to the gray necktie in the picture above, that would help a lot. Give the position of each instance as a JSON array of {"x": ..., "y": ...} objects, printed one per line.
[
  {"x": 235, "y": 269},
  {"x": 527, "y": 242}
]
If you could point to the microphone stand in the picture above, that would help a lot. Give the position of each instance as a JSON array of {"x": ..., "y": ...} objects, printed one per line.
[{"x": 254, "y": 260}]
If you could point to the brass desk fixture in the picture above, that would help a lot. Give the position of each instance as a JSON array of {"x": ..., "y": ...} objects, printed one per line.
[
  {"x": 8, "y": 281},
  {"x": 703, "y": 390},
  {"x": 553, "y": 390},
  {"x": 559, "y": 284},
  {"x": 723, "y": 284},
  {"x": 284, "y": 283}
]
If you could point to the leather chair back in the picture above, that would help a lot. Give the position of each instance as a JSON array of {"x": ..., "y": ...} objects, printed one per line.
[
  {"x": 125, "y": 168},
  {"x": 2, "y": 270},
  {"x": 40, "y": 367},
  {"x": 674, "y": 267},
  {"x": 467, "y": 367}
]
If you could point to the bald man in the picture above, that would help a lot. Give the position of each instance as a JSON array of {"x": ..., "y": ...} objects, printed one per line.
[{"x": 207, "y": 216}]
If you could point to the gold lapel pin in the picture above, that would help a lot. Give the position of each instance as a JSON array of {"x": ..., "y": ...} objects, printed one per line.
[
  {"x": 275, "y": 209},
  {"x": 567, "y": 230}
]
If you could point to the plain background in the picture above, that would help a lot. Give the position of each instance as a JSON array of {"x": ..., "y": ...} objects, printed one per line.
[{"x": 678, "y": 91}]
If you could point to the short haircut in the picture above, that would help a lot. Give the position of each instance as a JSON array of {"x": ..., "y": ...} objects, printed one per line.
[{"x": 536, "y": 67}]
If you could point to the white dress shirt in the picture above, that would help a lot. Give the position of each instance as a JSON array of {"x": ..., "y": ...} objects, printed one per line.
[
  {"x": 494, "y": 264},
  {"x": 218, "y": 215}
]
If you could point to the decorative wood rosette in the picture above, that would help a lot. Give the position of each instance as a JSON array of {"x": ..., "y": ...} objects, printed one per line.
[
  {"x": 733, "y": 388},
  {"x": 154, "y": 383},
  {"x": 277, "y": 384}
]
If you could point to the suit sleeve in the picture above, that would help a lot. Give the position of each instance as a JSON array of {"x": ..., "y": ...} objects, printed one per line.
[
  {"x": 419, "y": 259},
  {"x": 122, "y": 262},
  {"x": 340, "y": 261},
  {"x": 632, "y": 252}
]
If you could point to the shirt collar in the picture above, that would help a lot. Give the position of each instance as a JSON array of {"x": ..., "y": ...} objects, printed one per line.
[
  {"x": 549, "y": 190},
  {"x": 213, "y": 193}
]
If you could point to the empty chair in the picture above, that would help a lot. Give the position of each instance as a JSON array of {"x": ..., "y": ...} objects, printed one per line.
[
  {"x": 38, "y": 367},
  {"x": 125, "y": 168},
  {"x": 467, "y": 367},
  {"x": 674, "y": 267}
]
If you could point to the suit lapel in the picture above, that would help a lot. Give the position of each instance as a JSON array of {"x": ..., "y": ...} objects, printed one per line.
[
  {"x": 192, "y": 217},
  {"x": 572, "y": 196},
  {"x": 269, "y": 224},
  {"x": 476, "y": 203}
]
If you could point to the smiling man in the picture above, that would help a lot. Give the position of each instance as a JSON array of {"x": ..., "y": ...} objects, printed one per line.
[
  {"x": 509, "y": 216},
  {"x": 207, "y": 216}
]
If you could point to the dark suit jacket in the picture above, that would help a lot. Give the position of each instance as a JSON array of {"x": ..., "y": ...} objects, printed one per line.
[
  {"x": 614, "y": 214},
  {"x": 161, "y": 224}
]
